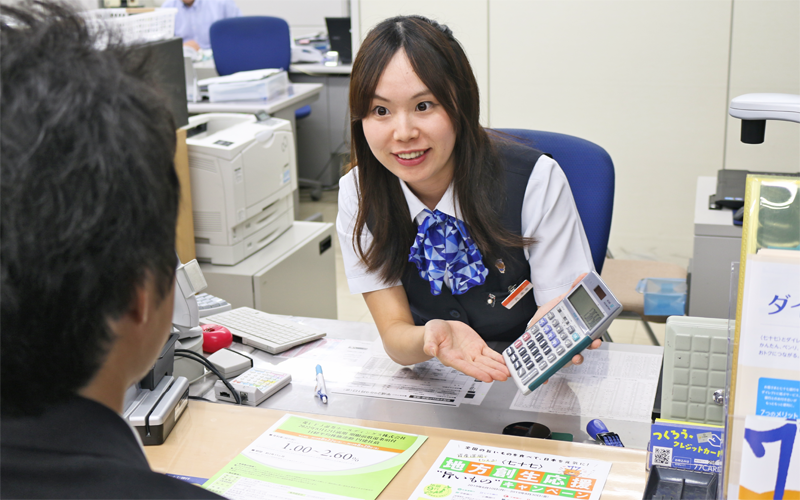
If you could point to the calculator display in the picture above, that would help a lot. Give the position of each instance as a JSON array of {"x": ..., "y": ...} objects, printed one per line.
[{"x": 585, "y": 307}]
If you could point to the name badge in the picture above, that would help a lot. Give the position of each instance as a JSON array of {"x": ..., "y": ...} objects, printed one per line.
[{"x": 517, "y": 294}]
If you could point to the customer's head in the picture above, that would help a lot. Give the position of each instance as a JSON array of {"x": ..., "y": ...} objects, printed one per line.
[{"x": 89, "y": 198}]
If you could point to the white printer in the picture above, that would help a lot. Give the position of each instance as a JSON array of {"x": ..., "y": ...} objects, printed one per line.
[{"x": 242, "y": 174}]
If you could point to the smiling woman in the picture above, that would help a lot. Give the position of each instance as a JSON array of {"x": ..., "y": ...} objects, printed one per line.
[{"x": 440, "y": 220}]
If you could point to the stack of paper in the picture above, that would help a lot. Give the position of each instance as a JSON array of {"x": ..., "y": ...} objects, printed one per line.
[{"x": 260, "y": 84}]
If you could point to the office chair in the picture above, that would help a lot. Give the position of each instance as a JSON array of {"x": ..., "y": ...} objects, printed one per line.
[
  {"x": 256, "y": 42},
  {"x": 590, "y": 173}
]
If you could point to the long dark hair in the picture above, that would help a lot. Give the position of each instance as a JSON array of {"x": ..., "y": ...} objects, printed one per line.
[{"x": 479, "y": 182}]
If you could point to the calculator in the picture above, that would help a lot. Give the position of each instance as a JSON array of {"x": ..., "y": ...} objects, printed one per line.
[
  {"x": 254, "y": 386},
  {"x": 569, "y": 328}
]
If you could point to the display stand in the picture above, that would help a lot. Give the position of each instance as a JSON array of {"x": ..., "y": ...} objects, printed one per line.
[{"x": 762, "y": 454}]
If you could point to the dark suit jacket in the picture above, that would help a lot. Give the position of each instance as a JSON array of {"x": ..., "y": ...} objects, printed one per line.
[{"x": 80, "y": 449}]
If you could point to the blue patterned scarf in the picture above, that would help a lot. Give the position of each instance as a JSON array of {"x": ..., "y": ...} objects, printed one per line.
[{"x": 443, "y": 247}]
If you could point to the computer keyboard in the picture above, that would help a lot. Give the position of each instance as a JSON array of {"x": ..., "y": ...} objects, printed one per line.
[
  {"x": 208, "y": 304},
  {"x": 263, "y": 330}
]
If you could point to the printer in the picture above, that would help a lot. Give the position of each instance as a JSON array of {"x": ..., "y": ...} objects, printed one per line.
[{"x": 242, "y": 175}]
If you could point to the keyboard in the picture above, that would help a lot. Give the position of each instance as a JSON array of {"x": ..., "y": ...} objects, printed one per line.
[
  {"x": 263, "y": 330},
  {"x": 208, "y": 304}
]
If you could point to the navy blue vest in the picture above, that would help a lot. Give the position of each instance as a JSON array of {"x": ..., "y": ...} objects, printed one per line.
[{"x": 492, "y": 322}]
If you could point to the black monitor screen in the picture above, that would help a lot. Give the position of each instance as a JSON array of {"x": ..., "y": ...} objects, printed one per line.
[{"x": 339, "y": 37}]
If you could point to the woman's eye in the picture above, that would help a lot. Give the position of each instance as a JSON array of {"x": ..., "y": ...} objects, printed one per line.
[
  {"x": 381, "y": 111},
  {"x": 423, "y": 106}
]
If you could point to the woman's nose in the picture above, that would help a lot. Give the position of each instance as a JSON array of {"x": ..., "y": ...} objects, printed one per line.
[{"x": 405, "y": 128}]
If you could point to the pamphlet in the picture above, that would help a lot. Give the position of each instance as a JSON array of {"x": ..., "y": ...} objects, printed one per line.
[
  {"x": 468, "y": 471},
  {"x": 315, "y": 459}
]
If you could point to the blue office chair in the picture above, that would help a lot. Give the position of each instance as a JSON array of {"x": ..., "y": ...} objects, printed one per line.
[
  {"x": 252, "y": 42},
  {"x": 590, "y": 173}
]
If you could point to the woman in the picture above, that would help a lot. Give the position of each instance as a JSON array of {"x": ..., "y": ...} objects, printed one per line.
[{"x": 439, "y": 222}]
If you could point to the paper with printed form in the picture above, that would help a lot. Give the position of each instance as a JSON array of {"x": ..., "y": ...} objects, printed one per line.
[
  {"x": 609, "y": 384},
  {"x": 467, "y": 471},
  {"x": 314, "y": 459},
  {"x": 427, "y": 382}
]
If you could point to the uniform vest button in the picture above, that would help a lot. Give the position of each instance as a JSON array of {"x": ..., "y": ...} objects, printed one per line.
[{"x": 455, "y": 314}]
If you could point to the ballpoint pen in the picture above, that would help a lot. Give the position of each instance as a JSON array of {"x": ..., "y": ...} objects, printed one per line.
[{"x": 321, "y": 390}]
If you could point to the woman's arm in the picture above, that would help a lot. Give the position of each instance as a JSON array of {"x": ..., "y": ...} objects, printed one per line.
[{"x": 454, "y": 343}]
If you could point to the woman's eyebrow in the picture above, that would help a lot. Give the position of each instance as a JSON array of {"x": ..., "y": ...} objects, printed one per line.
[{"x": 422, "y": 93}]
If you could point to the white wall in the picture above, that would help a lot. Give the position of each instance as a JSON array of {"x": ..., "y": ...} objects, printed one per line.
[{"x": 648, "y": 80}]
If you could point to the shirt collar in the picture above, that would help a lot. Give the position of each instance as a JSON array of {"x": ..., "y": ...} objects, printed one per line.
[{"x": 447, "y": 205}]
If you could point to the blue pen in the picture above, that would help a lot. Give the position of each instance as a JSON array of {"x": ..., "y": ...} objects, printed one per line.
[{"x": 321, "y": 390}]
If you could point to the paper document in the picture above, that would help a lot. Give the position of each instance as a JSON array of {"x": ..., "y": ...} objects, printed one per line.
[
  {"x": 609, "y": 384},
  {"x": 314, "y": 459},
  {"x": 467, "y": 471},
  {"x": 428, "y": 382},
  {"x": 241, "y": 76}
]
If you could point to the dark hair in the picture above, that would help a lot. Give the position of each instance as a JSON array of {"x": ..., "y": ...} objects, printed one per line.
[
  {"x": 479, "y": 183},
  {"x": 89, "y": 199}
]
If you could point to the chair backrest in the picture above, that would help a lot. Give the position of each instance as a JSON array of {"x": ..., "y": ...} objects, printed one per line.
[
  {"x": 590, "y": 173},
  {"x": 250, "y": 42}
]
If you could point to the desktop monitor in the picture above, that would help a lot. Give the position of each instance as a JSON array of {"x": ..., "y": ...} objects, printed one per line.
[{"x": 339, "y": 37}]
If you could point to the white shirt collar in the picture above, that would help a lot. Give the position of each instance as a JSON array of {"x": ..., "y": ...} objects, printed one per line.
[{"x": 447, "y": 205}]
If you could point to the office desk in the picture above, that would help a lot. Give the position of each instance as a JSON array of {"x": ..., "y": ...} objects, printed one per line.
[
  {"x": 491, "y": 416},
  {"x": 208, "y": 436},
  {"x": 300, "y": 94}
]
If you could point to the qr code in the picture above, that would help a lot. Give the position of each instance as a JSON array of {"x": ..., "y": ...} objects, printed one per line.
[{"x": 662, "y": 456}]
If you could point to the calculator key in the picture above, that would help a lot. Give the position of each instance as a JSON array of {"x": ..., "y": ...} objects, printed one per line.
[
  {"x": 526, "y": 360},
  {"x": 510, "y": 351},
  {"x": 560, "y": 350},
  {"x": 568, "y": 343},
  {"x": 531, "y": 375},
  {"x": 562, "y": 336},
  {"x": 555, "y": 343},
  {"x": 526, "y": 337},
  {"x": 547, "y": 329},
  {"x": 551, "y": 337},
  {"x": 559, "y": 329},
  {"x": 517, "y": 365},
  {"x": 576, "y": 337},
  {"x": 539, "y": 336},
  {"x": 543, "y": 365},
  {"x": 547, "y": 350},
  {"x": 550, "y": 315},
  {"x": 551, "y": 358},
  {"x": 518, "y": 344},
  {"x": 530, "y": 366},
  {"x": 543, "y": 322},
  {"x": 531, "y": 345},
  {"x": 570, "y": 329},
  {"x": 555, "y": 323}
]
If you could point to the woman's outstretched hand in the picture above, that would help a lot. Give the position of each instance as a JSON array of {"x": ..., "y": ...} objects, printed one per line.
[{"x": 457, "y": 345}]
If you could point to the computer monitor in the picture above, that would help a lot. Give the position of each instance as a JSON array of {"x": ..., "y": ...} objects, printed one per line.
[{"x": 339, "y": 37}]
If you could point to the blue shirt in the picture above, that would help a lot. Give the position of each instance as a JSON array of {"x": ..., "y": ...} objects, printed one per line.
[{"x": 193, "y": 23}]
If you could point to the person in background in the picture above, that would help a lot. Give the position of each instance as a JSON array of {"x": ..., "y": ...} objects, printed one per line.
[
  {"x": 195, "y": 17},
  {"x": 88, "y": 207},
  {"x": 441, "y": 219}
]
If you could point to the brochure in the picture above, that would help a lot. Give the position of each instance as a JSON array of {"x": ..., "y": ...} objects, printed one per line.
[{"x": 315, "y": 459}]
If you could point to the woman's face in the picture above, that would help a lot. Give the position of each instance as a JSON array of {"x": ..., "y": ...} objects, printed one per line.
[{"x": 409, "y": 131}]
